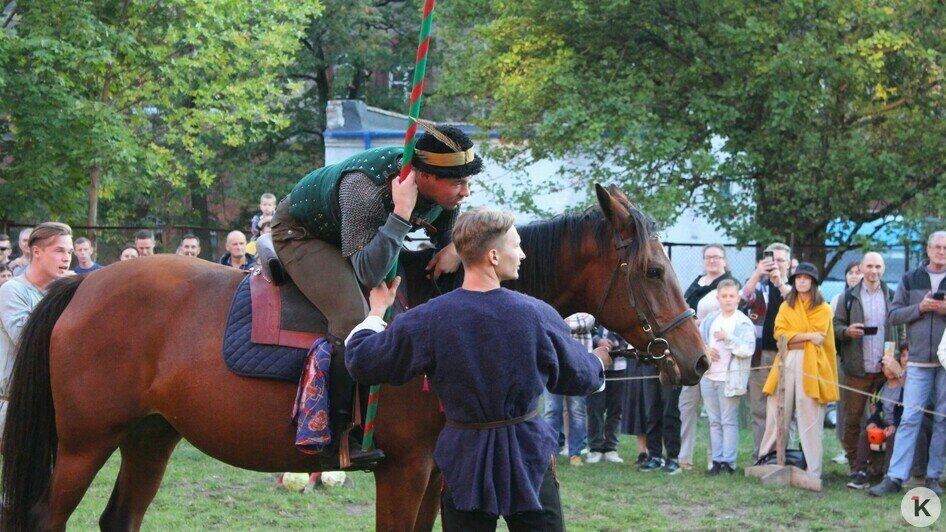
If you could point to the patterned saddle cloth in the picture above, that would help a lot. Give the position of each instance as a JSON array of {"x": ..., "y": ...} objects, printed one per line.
[{"x": 270, "y": 330}]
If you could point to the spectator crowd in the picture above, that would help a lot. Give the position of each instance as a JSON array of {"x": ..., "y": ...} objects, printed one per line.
[{"x": 874, "y": 357}]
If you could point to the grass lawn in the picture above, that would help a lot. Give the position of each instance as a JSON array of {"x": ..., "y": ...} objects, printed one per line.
[{"x": 200, "y": 493}]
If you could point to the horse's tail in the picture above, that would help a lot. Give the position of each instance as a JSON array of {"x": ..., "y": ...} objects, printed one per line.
[{"x": 29, "y": 435}]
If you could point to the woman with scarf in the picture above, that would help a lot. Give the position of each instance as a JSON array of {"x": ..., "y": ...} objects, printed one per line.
[
  {"x": 701, "y": 296},
  {"x": 811, "y": 372}
]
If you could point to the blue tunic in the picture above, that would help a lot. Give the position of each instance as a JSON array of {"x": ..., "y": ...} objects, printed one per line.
[{"x": 489, "y": 356}]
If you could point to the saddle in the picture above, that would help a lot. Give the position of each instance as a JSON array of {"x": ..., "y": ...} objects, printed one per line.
[
  {"x": 271, "y": 324},
  {"x": 283, "y": 315}
]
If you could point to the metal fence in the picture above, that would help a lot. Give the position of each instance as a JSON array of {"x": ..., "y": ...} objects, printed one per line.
[
  {"x": 687, "y": 260},
  {"x": 111, "y": 240}
]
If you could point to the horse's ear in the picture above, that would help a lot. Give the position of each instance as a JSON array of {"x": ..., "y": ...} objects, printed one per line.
[
  {"x": 619, "y": 194},
  {"x": 611, "y": 207}
]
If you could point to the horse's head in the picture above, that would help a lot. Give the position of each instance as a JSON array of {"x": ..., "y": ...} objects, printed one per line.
[{"x": 640, "y": 297}]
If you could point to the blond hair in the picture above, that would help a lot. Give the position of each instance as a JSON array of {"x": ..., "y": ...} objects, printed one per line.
[
  {"x": 47, "y": 231},
  {"x": 476, "y": 231}
]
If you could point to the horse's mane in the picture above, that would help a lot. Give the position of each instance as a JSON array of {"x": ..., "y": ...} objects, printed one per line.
[{"x": 543, "y": 242}]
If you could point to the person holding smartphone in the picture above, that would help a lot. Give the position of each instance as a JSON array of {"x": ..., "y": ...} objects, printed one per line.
[
  {"x": 914, "y": 305},
  {"x": 860, "y": 330},
  {"x": 761, "y": 296}
]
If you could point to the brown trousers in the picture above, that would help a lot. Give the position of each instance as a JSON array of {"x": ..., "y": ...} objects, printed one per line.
[
  {"x": 854, "y": 404},
  {"x": 320, "y": 272}
]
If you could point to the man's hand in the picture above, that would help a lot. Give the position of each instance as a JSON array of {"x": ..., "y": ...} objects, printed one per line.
[
  {"x": 817, "y": 338},
  {"x": 854, "y": 330},
  {"x": 720, "y": 335},
  {"x": 928, "y": 304},
  {"x": 603, "y": 353},
  {"x": 763, "y": 269},
  {"x": 889, "y": 430},
  {"x": 447, "y": 260},
  {"x": 713, "y": 354},
  {"x": 871, "y": 426},
  {"x": 382, "y": 297},
  {"x": 775, "y": 275},
  {"x": 404, "y": 195},
  {"x": 604, "y": 342}
]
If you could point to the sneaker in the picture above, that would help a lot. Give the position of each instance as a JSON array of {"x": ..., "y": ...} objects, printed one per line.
[
  {"x": 858, "y": 481},
  {"x": 585, "y": 451},
  {"x": 841, "y": 458},
  {"x": 593, "y": 457},
  {"x": 563, "y": 451},
  {"x": 574, "y": 461},
  {"x": 672, "y": 467},
  {"x": 932, "y": 484},
  {"x": 728, "y": 468},
  {"x": 641, "y": 458},
  {"x": 652, "y": 464},
  {"x": 886, "y": 487},
  {"x": 715, "y": 470},
  {"x": 613, "y": 457}
]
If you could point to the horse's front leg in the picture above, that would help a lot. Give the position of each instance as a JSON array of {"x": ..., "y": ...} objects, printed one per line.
[{"x": 400, "y": 487}]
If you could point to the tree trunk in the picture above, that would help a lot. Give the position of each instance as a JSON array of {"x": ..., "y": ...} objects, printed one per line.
[
  {"x": 95, "y": 178},
  {"x": 199, "y": 203}
]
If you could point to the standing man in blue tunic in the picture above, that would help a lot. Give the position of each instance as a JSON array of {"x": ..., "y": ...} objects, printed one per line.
[{"x": 490, "y": 352}]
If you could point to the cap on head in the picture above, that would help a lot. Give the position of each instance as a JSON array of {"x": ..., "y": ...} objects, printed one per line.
[{"x": 446, "y": 151}]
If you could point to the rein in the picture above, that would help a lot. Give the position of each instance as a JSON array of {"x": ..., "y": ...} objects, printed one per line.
[{"x": 656, "y": 341}]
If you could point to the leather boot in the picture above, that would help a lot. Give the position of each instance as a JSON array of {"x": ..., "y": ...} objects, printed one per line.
[{"x": 345, "y": 452}]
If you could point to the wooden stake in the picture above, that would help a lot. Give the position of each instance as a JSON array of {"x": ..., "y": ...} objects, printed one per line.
[{"x": 780, "y": 436}]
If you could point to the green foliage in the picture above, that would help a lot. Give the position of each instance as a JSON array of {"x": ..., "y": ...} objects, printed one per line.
[
  {"x": 144, "y": 94},
  {"x": 348, "y": 53},
  {"x": 772, "y": 118}
]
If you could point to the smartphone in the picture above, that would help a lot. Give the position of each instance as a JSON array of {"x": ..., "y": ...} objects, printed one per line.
[
  {"x": 870, "y": 331},
  {"x": 768, "y": 255},
  {"x": 939, "y": 296}
]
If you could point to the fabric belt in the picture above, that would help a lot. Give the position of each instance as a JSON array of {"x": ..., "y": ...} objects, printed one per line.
[{"x": 493, "y": 424}]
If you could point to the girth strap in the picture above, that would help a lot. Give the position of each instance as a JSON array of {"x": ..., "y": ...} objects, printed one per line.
[{"x": 493, "y": 424}]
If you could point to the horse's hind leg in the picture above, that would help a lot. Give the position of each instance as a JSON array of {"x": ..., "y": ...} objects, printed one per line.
[
  {"x": 145, "y": 453},
  {"x": 73, "y": 473}
]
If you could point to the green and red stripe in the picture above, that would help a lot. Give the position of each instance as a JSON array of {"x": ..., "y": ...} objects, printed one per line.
[{"x": 420, "y": 70}]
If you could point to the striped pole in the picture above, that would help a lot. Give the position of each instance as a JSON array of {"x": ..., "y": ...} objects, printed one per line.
[{"x": 420, "y": 70}]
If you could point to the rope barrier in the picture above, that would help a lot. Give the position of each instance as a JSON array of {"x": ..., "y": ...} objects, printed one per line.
[{"x": 842, "y": 386}]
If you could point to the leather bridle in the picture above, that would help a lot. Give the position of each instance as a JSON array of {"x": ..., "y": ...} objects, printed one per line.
[{"x": 655, "y": 333}]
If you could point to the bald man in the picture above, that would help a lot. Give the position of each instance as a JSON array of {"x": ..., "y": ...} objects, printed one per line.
[
  {"x": 236, "y": 255},
  {"x": 860, "y": 329}
]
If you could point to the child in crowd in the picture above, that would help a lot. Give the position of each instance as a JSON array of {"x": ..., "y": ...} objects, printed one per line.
[
  {"x": 267, "y": 206},
  {"x": 730, "y": 336},
  {"x": 264, "y": 229},
  {"x": 885, "y": 416}
]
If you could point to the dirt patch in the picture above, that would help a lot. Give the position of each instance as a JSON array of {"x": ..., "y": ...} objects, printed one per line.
[{"x": 359, "y": 509}]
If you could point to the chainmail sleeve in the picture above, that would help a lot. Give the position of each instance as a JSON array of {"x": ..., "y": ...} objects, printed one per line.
[{"x": 361, "y": 202}]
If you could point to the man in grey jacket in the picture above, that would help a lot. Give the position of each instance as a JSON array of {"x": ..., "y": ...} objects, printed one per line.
[
  {"x": 860, "y": 329},
  {"x": 919, "y": 304},
  {"x": 50, "y": 247}
]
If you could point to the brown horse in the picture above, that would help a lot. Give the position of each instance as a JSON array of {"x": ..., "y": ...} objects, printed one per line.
[{"x": 130, "y": 358}]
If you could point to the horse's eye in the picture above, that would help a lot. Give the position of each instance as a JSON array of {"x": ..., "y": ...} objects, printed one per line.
[{"x": 655, "y": 273}]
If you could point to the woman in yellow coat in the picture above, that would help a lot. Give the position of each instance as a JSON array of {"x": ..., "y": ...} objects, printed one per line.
[{"x": 811, "y": 372}]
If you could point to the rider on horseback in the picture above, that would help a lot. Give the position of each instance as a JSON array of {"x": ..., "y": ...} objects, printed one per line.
[{"x": 343, "y": 225}]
